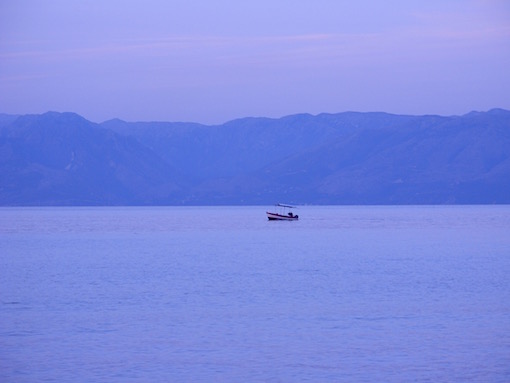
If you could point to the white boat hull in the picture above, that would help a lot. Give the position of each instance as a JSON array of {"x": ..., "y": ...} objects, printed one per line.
[{"x": 281, "y": 217}]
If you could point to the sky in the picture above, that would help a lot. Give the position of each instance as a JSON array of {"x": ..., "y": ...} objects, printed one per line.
[{"x": 213, "y": 61}]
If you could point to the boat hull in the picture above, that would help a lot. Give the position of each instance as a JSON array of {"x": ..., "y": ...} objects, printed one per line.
[{"x": 281, "y": 217}]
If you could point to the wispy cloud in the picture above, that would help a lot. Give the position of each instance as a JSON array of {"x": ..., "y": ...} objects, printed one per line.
[
  {"x": 22, "y": 78},
  {"x": 291, "y": 46}
]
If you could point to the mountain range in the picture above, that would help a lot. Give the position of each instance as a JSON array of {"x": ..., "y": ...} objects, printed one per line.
[{"x": 344, "y": 158}]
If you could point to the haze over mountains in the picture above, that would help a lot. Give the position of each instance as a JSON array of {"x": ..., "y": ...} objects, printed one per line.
[{"x": 344, "y": 158}]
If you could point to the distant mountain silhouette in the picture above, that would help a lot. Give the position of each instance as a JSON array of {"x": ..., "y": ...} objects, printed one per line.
[
  {"x": 344, "y": 158},
  {"x": 63, "y": 159}
]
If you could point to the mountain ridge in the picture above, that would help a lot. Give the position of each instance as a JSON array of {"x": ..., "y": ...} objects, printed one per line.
[{"x": 330, "y": 158}]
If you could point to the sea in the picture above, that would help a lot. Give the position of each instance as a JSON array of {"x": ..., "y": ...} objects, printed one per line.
[{"x": 221, "y": 294}]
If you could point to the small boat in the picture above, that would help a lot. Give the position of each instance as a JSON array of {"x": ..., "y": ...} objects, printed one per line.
[{"x": 282, "y": 213}]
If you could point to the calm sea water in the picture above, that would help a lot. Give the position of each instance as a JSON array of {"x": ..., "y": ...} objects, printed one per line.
[{"x": 220, "y": 294}]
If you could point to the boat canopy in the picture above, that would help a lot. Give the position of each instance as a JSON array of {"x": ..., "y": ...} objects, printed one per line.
[{"x": 283, "y": 205}]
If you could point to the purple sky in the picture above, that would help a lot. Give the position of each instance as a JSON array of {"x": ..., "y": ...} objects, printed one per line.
[{"x": 213, "y": 61}]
